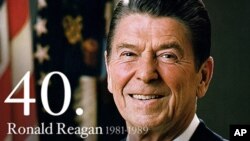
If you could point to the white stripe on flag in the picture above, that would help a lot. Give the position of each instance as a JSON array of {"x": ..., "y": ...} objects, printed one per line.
[
  {"x": 4, "y": 46},
  {"x": 21, "y": 53}
]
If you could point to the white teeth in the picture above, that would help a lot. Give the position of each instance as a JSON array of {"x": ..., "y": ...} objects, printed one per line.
[{"x": 145, "y": 97}]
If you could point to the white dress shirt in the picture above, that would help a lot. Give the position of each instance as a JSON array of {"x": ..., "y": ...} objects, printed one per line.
[{"x": 187, "y": 134}]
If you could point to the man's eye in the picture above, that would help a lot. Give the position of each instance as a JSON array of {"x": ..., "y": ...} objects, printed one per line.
[
  {"x": 127, "y": 54},
  {"x": 168, "y": 57}
]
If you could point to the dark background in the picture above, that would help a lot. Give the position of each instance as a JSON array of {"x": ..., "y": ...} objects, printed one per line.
[{"x": 228, "y": 98}]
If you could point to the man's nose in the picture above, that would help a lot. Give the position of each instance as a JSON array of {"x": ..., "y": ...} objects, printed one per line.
[{"x": 147, "y": 71}]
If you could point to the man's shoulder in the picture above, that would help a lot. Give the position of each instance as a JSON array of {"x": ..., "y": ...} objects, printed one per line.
[{"x": 205, "y": 134}]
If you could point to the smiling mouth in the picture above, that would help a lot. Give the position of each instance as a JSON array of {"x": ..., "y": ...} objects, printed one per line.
[{"x": 145, "y": 97}]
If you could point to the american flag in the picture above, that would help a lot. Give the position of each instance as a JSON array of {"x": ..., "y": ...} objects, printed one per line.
[
  {"x": 68, "y": 37},
  {"x": 16, "y": 61}
]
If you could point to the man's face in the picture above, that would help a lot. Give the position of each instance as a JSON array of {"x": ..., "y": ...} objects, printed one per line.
[{"x": 151, "y": 71}]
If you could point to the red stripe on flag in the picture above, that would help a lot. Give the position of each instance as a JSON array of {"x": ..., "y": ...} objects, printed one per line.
[
  {"x": 5, "y": 82},
  {"x": 5, "y": 87},
  {"x": 19, "y": 11}
]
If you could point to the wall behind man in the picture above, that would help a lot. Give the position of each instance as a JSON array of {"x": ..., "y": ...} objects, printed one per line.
[{"x": 228, "y": 98}]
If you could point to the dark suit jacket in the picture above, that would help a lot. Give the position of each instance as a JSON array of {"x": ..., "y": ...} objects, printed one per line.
[{"x": 203, "y": 133}]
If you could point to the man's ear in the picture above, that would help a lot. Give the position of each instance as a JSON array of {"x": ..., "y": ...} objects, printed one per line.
[
  {"x": 108, "y": 72},
  {"x": 206, "y": 73}
]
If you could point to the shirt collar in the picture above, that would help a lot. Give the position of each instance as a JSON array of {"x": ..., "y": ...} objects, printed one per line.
[{"x": 187, "y": 134}]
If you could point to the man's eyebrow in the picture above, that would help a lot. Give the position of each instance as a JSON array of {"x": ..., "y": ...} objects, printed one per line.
[
  {"x": 172, "y": 45},
  {"x": 125, "y": 45}
]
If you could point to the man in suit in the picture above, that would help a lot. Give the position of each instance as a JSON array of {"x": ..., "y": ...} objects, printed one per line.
[{"x": 158, "y": 63}]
